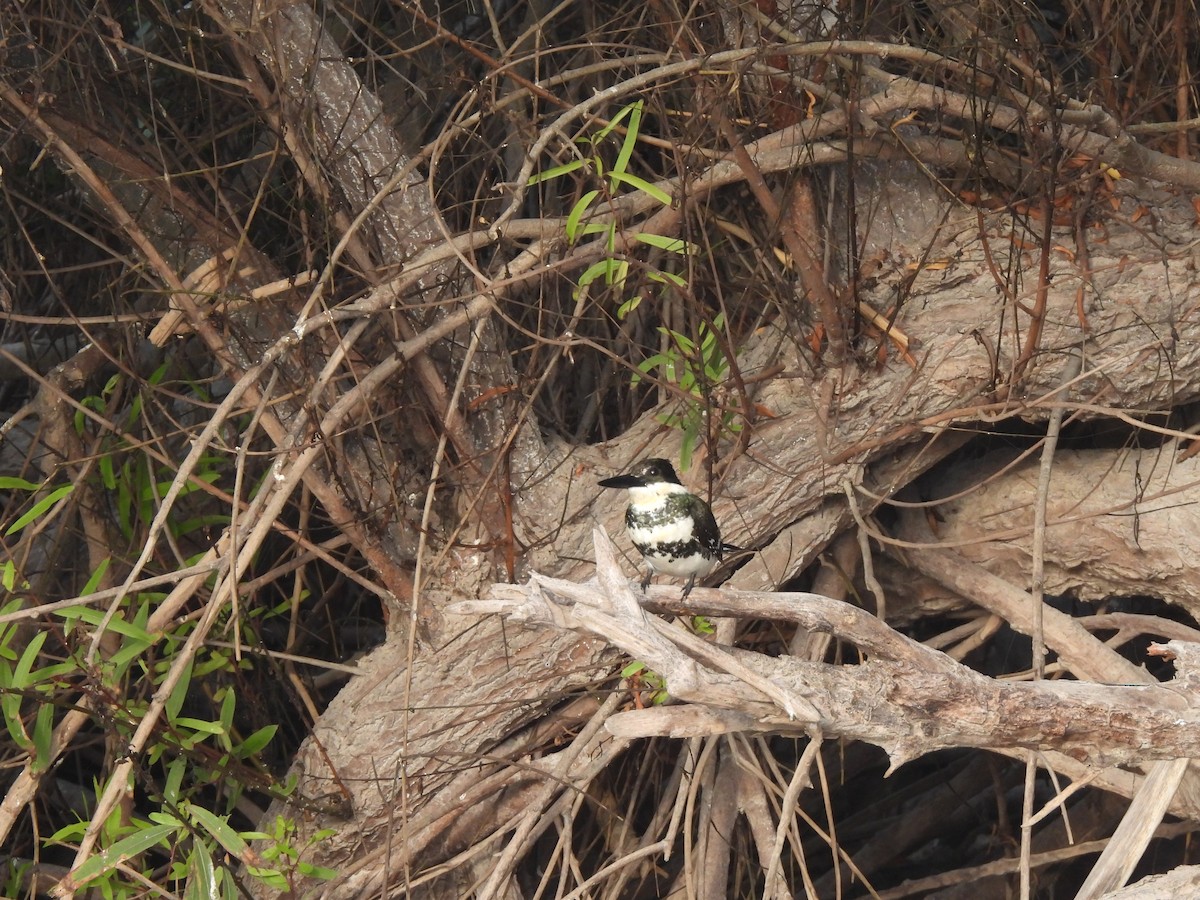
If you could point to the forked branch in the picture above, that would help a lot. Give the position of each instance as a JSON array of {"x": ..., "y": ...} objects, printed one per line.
[{"x": 902, "y": 696}]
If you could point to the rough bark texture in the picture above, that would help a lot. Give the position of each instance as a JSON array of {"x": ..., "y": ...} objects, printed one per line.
[
  {"x": 404, "y": 415},
  {"x": 785, "y": 498}
]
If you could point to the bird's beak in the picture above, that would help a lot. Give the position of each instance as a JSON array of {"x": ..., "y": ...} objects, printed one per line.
[{"x": 621, "y": 481}]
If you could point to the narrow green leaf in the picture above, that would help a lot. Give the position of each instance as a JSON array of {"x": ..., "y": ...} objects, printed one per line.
[
  {"x": 685, "y": 343},
  {"x": 117, "y": 624},
  {"x": 93, "y": 581},
  {"x": 558, "y": 171},
  {"x": 686, "y": 447},
  {"x": 202, "y": 879},
  {"x": 12, "y": 483},
  {"x": 627, "y": 145},
  {"x": 667, "y": 278},
  {"x": 43, "y": 734},
  {"x": 8, "y": 574},
  {"x": 122, "y": 850},
  {"x": 40, "y": 507},
  {"x": 640, "y": 184},
  {"x": 312, "y": 871},
  {"x": 165, "y": 818},
  {"x": 69, "y": 833},
  {"x": 20, "y": 676},
  {"x": 619, "y": 273},
  {"x": 125, "y": 502},
  {"x": 616, "y": 120},
  {"x": 10, "y": 704},
  {"x": 628, "y": 306},
  {"x": 175, "y": 773},
  {"x": 228, "y": 704},
  {"x": 272, "y": 878},
  {"x": 662, "y": 242},
  {"x": 594, "y": 271},
  {"x": 199, "y": 725},
  {"x": 110, "y": 386},
  {"x": 257, "y": 741},
  {"x": 576, "y": 213},
  {"x": 131, "y": 649},
  {"x": 219, "y": 828},
  {"x": 179, "y": 693},
  {"x": 108, "y": 472}
]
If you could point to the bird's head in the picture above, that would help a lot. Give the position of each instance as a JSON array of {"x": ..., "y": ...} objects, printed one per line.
[{"x": 646, "y": 473}]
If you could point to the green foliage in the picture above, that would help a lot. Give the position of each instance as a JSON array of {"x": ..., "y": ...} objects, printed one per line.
[
  {"x": 694, "y": 367},
  {"x": 197, "y": 842},
  {"x": 40, "y": 507},
  {"x": 200, "y": 847},
  {"x": 190, "y": 772},
  {"x": 613, "y": 269},
  {"x": 638, "y": 672}
]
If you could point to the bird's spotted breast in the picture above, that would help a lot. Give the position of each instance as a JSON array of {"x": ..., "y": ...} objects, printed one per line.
[
  {"x": 657, "y": 527},
  {"x": 679, "y": 560}
]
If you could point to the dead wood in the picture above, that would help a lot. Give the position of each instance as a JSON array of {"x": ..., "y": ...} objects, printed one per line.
[
  {"x": 433, "y": 741},
  {"x": 901, "y": 696}
]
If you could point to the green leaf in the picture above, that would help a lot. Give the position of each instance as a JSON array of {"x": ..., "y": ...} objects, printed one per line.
[
  {"x": 662, "y": 242},
  {"x": 20, "y": 675},
  {"x": 558, "y": 171},
  {"x": 619, "y": 273},
  {"x": 125, "y": 501},
  {"x": 108, "y": 473},
  {"x": 313, "y": 871},
  {"x": 218, "y": 827},
  {"x": 595, "y": 270},
  {"x": 198, "y": 523},
  {"x": 201, "y": 879},
  {"x": 122, "y": 850},
  {"x": 43, "y": 733},
  {"x": 634, "y": 668},
  {"x": 93, "y": 581},
  {"x": 69, "y": 833},
  {"x": 10, "y": 705},
  {"x": 12, "y": 483},
  {"x": 682, "y": 341},
  {"x": 631, "y": 135},
  {"x": 199, "y": 725},
  {"x": 179, "y": 693},
  {"x": 8, "y": 574},
  {"x": 577, "y": 211},
  {"x": 228, "y": 704},
  {"x": 667, "y": 278},
  {"x": 175, "y": 772},
  {"x": 117, "y": 624},
  {"x": 640, "y": 184},
  {"x": 690, "y": 435},
  {"x": 41, "y": 506},
  {"x": 625, "y": 112},
  {"x": 131, "y": 649},
  {"x": 272, "y": 878},
  {"x": 257, "y": 741},
  {"x": 627, "y": 307}
]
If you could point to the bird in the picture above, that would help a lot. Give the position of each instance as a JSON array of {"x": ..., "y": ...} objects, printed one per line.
[{"x": 671, "y": 527}]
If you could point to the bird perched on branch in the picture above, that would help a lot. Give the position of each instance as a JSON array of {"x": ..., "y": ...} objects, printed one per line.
[{"x": 672, "y": 528}]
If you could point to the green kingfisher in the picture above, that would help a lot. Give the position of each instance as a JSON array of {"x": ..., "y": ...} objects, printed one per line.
[{"x": 672, "y": 528}]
